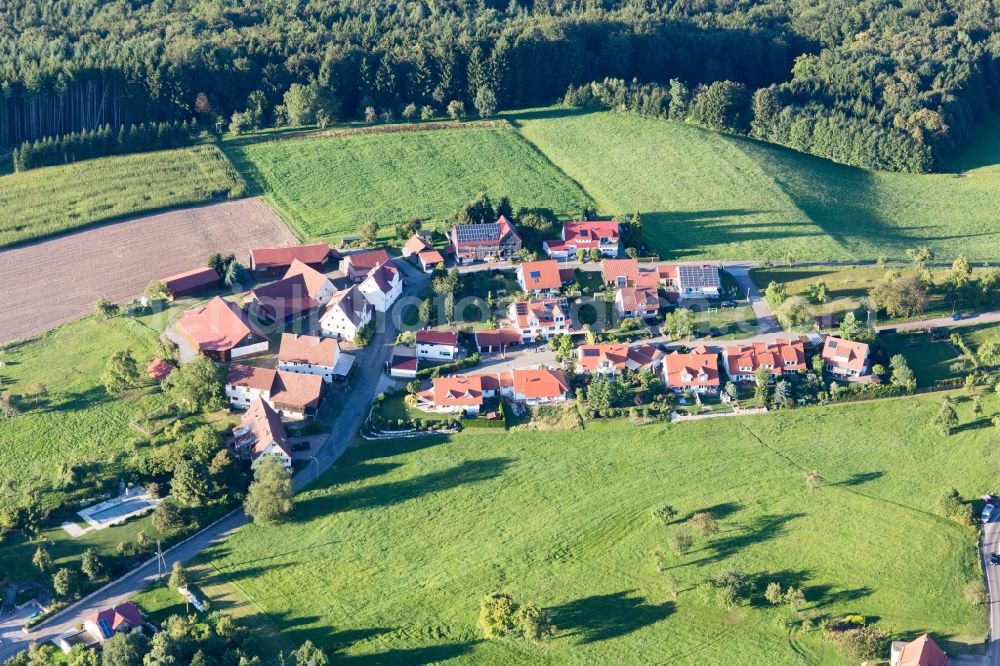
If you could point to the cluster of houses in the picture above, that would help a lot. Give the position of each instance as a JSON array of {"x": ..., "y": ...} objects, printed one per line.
[{"x": 695, "y": 371}]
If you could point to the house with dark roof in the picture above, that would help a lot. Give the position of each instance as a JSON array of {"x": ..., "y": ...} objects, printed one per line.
[
  {"x": 359, "y": 265},
  {"x": 382, "y": 286},
  {"x": 300, "y": 293},
  {"x": 539, "y": 278},
  {"x": 221, "y": 331},
  {"x": 274, "y": 261},
  {"x": 346, "y": 314},
  {"x": 437, "y": 345},
  {"x": 604, "y": 235},
  {"x": 261, "y": 434},
  {"x": 191, "y": 282},
  {"x": 484, "y": 241},
  {"x": 121, "y": 619},
  {"x": 697, "y": 282},
  {"x": 403, "y": 364}
]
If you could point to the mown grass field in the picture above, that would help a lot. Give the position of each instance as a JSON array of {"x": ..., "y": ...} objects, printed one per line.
[
  {"x": 386, "y": 559},
  {"x": 930, "y": 360},
  {"x": 707, "y": 195},
  {"x": 326, "y": 187},
  {"x": 47, "y": 201}
]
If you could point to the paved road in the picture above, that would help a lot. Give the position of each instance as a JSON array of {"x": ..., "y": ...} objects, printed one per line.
[
  {"x": 766, "y": 320},
  {"x": 356, "y": 401},
  {"x": 944, "y": 322},
  {"x": 991, "y": 544}
]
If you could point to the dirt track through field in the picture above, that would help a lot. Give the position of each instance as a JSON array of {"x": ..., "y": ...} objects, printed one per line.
[{"x": 54, "y": 281}]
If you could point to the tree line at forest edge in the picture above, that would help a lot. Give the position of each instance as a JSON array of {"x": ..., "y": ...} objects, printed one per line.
[{"x": 877, "y": 85}]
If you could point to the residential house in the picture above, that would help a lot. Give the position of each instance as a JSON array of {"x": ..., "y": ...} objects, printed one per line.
[
  {"x": 359, "y": 265},
  {"x": 404, "y": 363},
  {"x": 605, "y": 359},
  {"x": 541, "y": 318},
  {"x": 780, "y": 357},
  {"x": 415, "y": 245},
  {"x": 643, "y": 302},
  {"x": 382, "y": 286},
  {"x": 921, "y": 651},
  {"x": 497, "y": 340},
  {"x": 845, "y": 358},
  {"x": 620, "y": 272},
  {"x": 697, "y": 371},
  {"x": 191, "y": 282},
  {"x": 466, "y": 393},
  {"x": 221, "y": 331},
  {"x": 346, "y": 314},
  {"x": 604, "y": 235},
  {"x": 644, "y": 356},
  {"x": 429, "y": 260},
  {"x": 274, "y": 261},
  {"x": 482, "y": 241},
  {"x": 261, "y": 434},
  {"x": 697, "y": 282},
  {"x": 311, "y": 355},
  {"x": 293, "y": 395},
  {"x": 539, "y": 278},
  {"x": 122, "y": 619},
  {"x": 300, "y": 293},
  {"x": 437, "y": 345}
]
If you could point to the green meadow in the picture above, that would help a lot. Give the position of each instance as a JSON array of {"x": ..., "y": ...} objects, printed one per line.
[
  {"x": 52, "y": 200},
  {"x": 328, "y": 186},
  {"x": 704, "y": 195},
  {"x": 386, "y": 558}
]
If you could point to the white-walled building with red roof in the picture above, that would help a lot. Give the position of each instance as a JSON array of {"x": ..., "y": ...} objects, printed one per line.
[
  {"x": 540, "y": 318},
  {"x": 539, "y": 278},
  {"x": 382, "y": 286},
  {"x": 845, "y": 358},
  {"x": 697, "y": 370},
  {"x": 780, "y": 357},
  {"x": 261, "y": 434},
  {"x": 437, "y": 345},
  {"x": 585, "y": 235}
]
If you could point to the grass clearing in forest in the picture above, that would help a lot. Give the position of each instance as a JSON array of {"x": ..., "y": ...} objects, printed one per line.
[
  {"x": 704, "y": 195},
  {"x": 328, "y": 186},
  {"x": 386, "y": 558},
  {"x": 52, "y": 200}
]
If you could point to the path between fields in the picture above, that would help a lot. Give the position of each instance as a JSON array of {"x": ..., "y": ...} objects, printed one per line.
[
  {"x": 991, "y": 544},
  {"x": 357, "y": 400},
  {"x": 58, "y": 280}
]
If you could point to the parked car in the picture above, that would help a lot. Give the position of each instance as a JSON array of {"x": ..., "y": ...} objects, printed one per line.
[
  {"x": 728, "y": 304},
  {"x": 987, "y": 513},
  {"x": 957, "y": 316},
  {"x": 300, "y": 446},
  {"x": 995, "y": 558}
]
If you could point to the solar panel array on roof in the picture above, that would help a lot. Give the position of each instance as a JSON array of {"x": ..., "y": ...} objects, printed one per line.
[
  {"x": 699, "y": 276},
  {"x": 105, "y": 627},
  {"x": 521, "y": 308},
  {"x": 591, "y": 352},
  {"x": 534, "y": 275},
  {"x": 467, "y": 233}
]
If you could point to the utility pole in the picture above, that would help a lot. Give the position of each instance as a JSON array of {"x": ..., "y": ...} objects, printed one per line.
[{"x": 161, "y": 564}]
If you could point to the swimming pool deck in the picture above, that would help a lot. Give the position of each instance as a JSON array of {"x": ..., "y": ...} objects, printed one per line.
[{"x": 136, "y": 501}]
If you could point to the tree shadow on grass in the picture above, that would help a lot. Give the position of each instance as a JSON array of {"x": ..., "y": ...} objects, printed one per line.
[
  {"x": 429, "y": 654},
  {"x": 604, "y": 616},
  {"x": 393, "y": 492},
  {"x": 860, "y": 478},
  {"x": 823, "y": 595},
  {"x": 760, "y": 529}
]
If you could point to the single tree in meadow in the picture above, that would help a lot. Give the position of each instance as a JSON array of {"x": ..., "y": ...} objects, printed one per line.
[
  {"x": 946, "y": 419},
  {"x": 42, "y": 559},
  {"x": 269, "y": 497},
  {"x": 121, "y": 373}
]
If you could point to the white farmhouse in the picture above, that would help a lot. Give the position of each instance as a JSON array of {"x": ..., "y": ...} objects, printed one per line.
[
  {"x": 346, "y": 314},
  {"x": 437, "y": 345},
  {"x": 382, "y": 286}
]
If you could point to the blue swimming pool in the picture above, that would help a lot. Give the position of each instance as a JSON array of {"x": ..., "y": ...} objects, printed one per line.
[{"x": 123, "y": 509}]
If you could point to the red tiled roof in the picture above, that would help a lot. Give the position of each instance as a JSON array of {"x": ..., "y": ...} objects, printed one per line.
[
  {"x": 645, "y": 355},
  {"x": 430, "y": 257},
  {"x": 313, "y": 279},
  {"x": 218, "y": 326},
  {"x": 276, "y": 257},
  {"x": 415, "y": 245},
  {"x": 251, "y": 377},
  {"x": 159, "y": 369},
  {"x": 848, "y": 354},
  {"x": 590, "y": 357},
  {"x": 503, "y": 336},
  {"x": 437, "y": 338},
  {"x": 544, "y": 310},
  {"x": 922, "y": 651},
  {"x": 308, "y": 349},
  {"x": 384, "y": 275},
  {"x": 365, "y": 261},
  {"x": 589, "y": 233},
  {"x": 698, "y": 368},
  {"x": 538, "y": 275},
  {"x": 190, "y": 280},
  {"x": 616, "y": 268},
  {"x": 539, "y": 383},
  {"x": 458, "y": 391},
  {"x": 567, "y": 275},
  {"x": 126, "y": 613},
  {"x": 781, "y": 356},
  {"x": 266, "y": 426},
  {"x": 639, "y": 298},
  {"x": 297, "y": 390}
]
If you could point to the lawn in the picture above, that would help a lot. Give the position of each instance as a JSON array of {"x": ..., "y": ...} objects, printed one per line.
[
  {"x": 846, "y": 286},
  {"x": 930, "y": 360},
  {"x": 386, "y": 558},
  {"x": 51, "y": 200},
  {"x": 326, "y": 187},
  {"x": 714, "y": 196}
]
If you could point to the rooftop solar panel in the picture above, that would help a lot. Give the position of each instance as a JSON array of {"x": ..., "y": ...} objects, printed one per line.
[
  {"x": 477, "y": 232},
  {"x": 105, "y": 627}
]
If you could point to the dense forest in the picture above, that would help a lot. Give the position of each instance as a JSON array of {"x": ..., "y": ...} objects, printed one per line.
[{"x": 839, "y": 75}]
